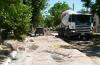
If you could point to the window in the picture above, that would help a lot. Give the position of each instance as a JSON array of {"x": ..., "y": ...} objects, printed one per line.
[
  {"x": 80, "y": 19},
  {"x": 72, "y": 18}
]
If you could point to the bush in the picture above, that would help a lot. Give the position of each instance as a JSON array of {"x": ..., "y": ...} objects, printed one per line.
[{"x": 16, "y": 17}]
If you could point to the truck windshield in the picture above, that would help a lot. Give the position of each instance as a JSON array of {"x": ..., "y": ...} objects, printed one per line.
[{"x": 81, "y": 19}]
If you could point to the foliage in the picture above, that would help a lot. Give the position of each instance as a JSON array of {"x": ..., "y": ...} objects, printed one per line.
[
  {"x": 82, "y": 11},
  {"x": 49, "y": 21},
  {"x": 93, "y": 8},
  {"x": 38, "y": 6},
  {"x": 40, "y": 20},
  {"x": 27, "y": 2},
  {"x": 87, "y": 3},
  {"x": 97, "y": 7},
  {"x": 56, "y": 12},
  {"x": 16, "y": 16}
]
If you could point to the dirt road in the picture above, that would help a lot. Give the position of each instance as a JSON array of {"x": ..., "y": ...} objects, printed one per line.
[{"x": 45, "y": 50}]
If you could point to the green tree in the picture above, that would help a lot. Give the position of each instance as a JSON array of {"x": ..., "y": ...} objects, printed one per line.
[
  {"x": 87, "y": 3},
  {"x": 27, "y": 2},
  {"x": 56, "y": 12},
  {"x": 49, "y": 21},
  {"x": 38, "y": 6},
  {"x": 82, "y": 11},
  {"x": 15, "y": 16},
  {"x": 96, "y": 8},
  {"x": 97, "y": 5}
]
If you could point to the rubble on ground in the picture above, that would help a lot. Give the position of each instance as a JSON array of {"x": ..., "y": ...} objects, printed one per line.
[{"x": 46, "y": 50}]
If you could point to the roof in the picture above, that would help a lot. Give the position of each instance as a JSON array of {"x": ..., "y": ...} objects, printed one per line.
[{"x": 76, "y": 13}]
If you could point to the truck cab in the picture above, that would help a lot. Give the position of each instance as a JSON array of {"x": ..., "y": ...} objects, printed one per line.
[{"x": 75, "y": 24}]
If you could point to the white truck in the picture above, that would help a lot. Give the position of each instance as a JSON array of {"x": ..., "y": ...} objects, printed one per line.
[{"x": 75, "y": 24}]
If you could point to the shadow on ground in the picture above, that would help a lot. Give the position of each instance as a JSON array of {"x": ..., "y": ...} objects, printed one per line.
[
  {"x": 90, "y": 48},
  {"x": 93, "y": 50}
]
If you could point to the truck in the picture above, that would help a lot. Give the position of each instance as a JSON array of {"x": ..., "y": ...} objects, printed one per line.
[{"x": 75, "y": 25}]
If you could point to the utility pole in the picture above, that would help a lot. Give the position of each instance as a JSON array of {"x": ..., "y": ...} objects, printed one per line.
[{"x": 73, "y": 6}]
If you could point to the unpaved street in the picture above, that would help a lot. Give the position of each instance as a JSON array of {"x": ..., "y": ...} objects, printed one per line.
[{"x": 45, "y": 50}]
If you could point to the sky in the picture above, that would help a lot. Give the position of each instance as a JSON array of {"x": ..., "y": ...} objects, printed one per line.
[{"x": 77, "y": 3}]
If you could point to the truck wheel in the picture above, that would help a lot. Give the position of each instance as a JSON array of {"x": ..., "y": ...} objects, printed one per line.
[
  {"x": 88, "y": 37},
  {"x": 82, "y": 37}
]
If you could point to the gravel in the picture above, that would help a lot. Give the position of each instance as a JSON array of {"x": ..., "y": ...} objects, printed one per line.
[{"x": 47, "y": 52}]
